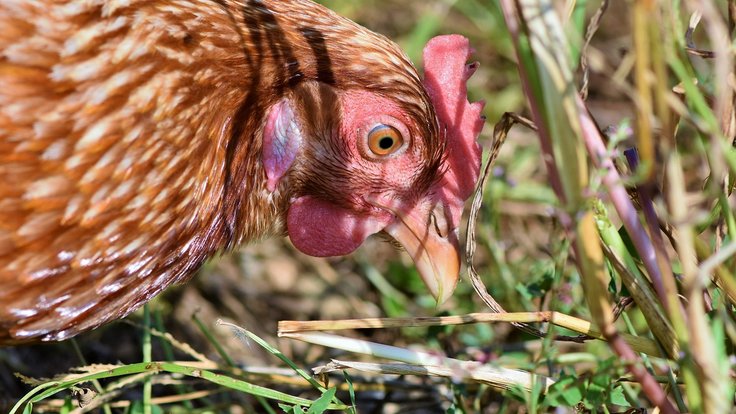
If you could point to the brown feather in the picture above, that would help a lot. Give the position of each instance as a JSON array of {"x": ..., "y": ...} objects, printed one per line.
[{"x": 129, "y": 141}]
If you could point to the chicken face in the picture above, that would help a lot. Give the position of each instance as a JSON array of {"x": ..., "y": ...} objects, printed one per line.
[{"x": 363, "y": 163}]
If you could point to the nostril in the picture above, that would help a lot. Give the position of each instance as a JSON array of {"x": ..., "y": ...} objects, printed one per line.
[{"x": 439, "y": 219}]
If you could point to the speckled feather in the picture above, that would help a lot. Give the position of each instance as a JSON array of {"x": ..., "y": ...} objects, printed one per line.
[{"x": 129, "y": 141}]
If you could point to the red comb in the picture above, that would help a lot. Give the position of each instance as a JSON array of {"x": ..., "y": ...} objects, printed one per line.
[{"x": 445, "y": 75}]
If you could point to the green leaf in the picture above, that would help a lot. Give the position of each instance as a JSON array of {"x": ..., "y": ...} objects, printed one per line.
[
  {"x": 628, "y": 243},
  {"x": 351, "y": 390},
  {"x": 617, "y": 397},
  {"x": 597, "y": 388},
  {"x": 137, "y": 407},
  {"x": 320, "y": 405},
  {"x": 567, "y": 391},
  {"x": 292, "y": 409},
  {"x": 68, "y": 405}
]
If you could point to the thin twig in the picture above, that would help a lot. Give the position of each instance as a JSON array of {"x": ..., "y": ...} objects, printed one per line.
[
  {"x": 593, "y": 26},
  {"x": 691, "y": 47},
  {"x": 500, "y": 132}
]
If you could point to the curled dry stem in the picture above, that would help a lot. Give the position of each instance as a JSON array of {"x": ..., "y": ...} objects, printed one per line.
[{"x": 500, "y": 132}]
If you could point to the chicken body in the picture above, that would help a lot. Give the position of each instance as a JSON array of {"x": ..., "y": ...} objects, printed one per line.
[{"x": 138, "y": 138}]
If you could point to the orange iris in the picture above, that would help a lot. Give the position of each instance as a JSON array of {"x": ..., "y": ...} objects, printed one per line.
[{"x": 384, "y": 140}]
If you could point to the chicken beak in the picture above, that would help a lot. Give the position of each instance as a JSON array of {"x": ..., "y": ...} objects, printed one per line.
[{"x": 432, "y": 245}]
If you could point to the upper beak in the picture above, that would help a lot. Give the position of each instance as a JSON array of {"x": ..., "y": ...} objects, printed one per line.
[{"x": 432, "y": 244}]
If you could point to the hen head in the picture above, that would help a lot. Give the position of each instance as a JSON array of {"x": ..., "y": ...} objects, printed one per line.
[
  {"x": 140, "y": 138},
  {"x": 368, "y": 160}
]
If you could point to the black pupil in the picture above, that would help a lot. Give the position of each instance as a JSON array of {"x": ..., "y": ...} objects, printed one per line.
[{"x": 386, "y": 143}]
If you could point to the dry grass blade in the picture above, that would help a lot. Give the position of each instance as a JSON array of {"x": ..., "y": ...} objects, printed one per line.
[
  {"x": 179, "y": 345},
  {"x": 422, "y": 363},
  {"x": 57, "y": 405},
  {"x": 691, "y": 47},
  {"x": 593, "y": 26},
  {"x": 495, "y": 377},
  {"x": 723, "y": 278},
  {"x": 581, "y": 326}
]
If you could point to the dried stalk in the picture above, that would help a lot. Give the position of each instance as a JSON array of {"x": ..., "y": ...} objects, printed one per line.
[
  {"x": 423, "y": 363},
  {"x": 641, "y": 344},
  {"x": 495, "y": 377},
  {"x": 595, "y": 22}
]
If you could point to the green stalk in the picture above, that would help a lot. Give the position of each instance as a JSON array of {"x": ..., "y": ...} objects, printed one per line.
[
  {"x": 706, "y": 394},
  {"x": 637, "y": 284},
  {"x": 147, "y": 385}
]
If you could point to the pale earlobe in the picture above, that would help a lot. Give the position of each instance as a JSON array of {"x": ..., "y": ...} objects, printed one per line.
[{"x": 282, "y": 138}]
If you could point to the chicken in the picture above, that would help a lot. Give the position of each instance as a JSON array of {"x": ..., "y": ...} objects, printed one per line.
[{"x": 138, "y": 138}]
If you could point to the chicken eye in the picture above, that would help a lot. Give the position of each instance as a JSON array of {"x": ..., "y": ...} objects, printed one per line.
[{"x": 384, "y": 140}]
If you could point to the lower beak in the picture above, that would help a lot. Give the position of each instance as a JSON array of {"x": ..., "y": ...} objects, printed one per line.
[{"x": 434, "y": 249}]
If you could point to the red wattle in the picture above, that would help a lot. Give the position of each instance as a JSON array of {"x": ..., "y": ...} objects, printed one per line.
[{"x": 321, "y": 229}]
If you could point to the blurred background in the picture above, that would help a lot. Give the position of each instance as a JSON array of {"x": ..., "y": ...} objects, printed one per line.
[{"x": 521, "y": 255}]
